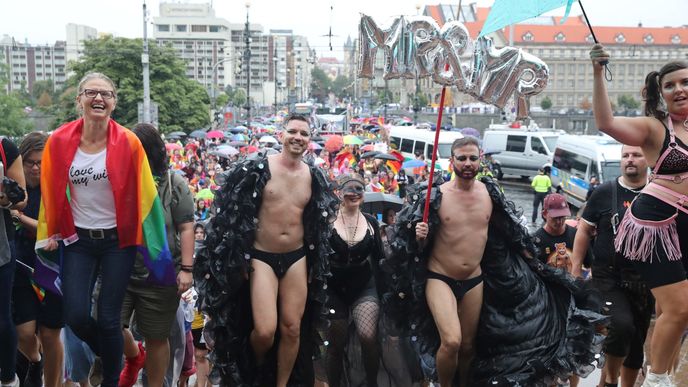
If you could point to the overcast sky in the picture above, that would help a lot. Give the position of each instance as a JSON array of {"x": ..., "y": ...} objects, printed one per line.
[{"x": 44, "y": 21}]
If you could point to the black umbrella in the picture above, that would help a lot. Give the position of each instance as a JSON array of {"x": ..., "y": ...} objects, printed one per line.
[
  {"x": 177, "y": 134},
  {"x": 378, "y": 202},
  {"x": 198, "y": 134},
  {"x": 385, "y": 156},
  {"x": 369, "y": 154},
  {"x": 173, "y": 137}
]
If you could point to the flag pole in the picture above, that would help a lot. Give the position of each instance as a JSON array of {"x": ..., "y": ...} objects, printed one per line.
[
  {"x": 607, "y": 72},
  {"x": 438, "y": 127}
]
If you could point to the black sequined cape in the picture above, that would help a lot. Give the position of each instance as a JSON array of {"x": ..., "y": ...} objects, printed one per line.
[
  {"x": 537, "y": 322},
  {"x": 222, "y": 263}
]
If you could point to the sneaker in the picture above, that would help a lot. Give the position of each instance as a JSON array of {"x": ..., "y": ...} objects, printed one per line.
[
  {"x": 95, "y": 375},
  {"x": 14, "y": 383},
  {"x": 34, "y": 375},
  {"x": 658, "y": 380},
  {"x": 132, "y": 366}
]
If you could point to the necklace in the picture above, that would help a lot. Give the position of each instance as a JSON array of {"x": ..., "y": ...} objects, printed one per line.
[{"x": 350, "y": 238}]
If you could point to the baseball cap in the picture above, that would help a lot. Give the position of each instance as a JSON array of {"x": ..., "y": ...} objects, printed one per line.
[{"x": 556, "y": 206}]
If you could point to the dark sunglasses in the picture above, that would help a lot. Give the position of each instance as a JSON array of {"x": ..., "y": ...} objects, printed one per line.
[{"x": 31, "y": 164}]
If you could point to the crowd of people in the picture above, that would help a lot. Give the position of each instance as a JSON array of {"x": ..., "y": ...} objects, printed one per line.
[{"x": 254, "y": 267}]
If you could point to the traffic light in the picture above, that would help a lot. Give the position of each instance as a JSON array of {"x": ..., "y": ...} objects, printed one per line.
[{"x": 237, "y": 68}]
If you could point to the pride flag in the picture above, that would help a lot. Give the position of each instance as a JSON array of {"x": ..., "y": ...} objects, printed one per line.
[{"x": 139, "y": 213}]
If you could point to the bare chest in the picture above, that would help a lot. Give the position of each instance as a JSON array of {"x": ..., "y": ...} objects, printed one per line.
[
  {"x": 288, "y": 187},
  {"x": 465, "y": 212}
]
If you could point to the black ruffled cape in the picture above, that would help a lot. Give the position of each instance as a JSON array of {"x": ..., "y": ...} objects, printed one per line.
[
  {"x": 221, "y": 264},
  {"x": 537, "y": 322}
]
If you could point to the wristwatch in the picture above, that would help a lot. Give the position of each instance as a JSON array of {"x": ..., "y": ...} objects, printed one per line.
[{"x": 15, "y": 218}]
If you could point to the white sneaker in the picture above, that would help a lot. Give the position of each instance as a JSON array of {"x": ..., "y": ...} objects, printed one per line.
[
  {"x": 14, "y": 383},
  {"x": 658, "y": 380}
]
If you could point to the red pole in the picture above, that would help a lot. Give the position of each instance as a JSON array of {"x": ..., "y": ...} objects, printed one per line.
[{"x": 434, "y": 155}]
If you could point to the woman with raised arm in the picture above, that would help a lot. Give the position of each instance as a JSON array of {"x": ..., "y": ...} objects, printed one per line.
[{"x": 654, "y": 235}]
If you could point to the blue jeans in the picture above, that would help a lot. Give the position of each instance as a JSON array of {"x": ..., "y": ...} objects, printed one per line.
[
  {"x": 8, "y": 333},
  {"x": 84, "y": 260}
]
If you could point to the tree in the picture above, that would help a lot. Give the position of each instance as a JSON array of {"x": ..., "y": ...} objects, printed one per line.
[
  {"x": 42, "y": 87},
  {"x": 422, "y": 100},
  {"x": 45, "y": 100},
  {"x": 627, "y": 102},
  {"x": 321, "y": 84},
  {"x": 239, "y": 97},
  {"x": 546, "y": 103},
  {"x": 182, "y": 102},
  {"x": 221, "y": 100},
  {"x": 341, "y": 86},
  {"x": 14, "y": 122}
]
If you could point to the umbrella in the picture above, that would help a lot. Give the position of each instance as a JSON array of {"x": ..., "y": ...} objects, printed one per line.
[
  {"x": 249, "y": 149},
  {"x": 239, "y": 129},
  {"x": 205, "y": 194},
  {"x": 378, "y": 202},
  {"x": 215, "y": 134},
  {"x": 385, "y": 156},
  {"x": 414, "y": 163},
  {"x": 369, "y": 154},
  {"x": 334, "y": 143},
  {"x": 198, "y": 134},
  {"x": 314, "y": 146},
  {"x": 352, "y": 140},
  {"x": 507, "y": 12},
  {"x": 177, "y": 134},
  {"x": 173, "y": 137},
  {"x": 227, "y": 149},
  {"x": 368, "y": 148},
  {"x": 238, "y": 137},
  {"x": 172, "y": 146},
  {"x": 270, "y": 151},
  {"x": 238, "y": 143},
  {"x": 267, "y": 140},
  {"x": 470, "y": 132}
]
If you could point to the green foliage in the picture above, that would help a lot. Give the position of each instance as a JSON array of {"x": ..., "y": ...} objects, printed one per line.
[
  {"x": 422, "y": 100},
  {"x": 239, "y": 97},
  {"x": 44, "y": 100},
  {"x": 182, "y": 102},
  {"x": 14, "y": 122},
  {"x": 627, "y": 102},
  {"x": 321, "y": 84},
  {"x": 342, "y": 86},
  {"x": 42, "y": 87},
  {"x": 546, "y": 103},
  {"x": 222, "y": 100}
]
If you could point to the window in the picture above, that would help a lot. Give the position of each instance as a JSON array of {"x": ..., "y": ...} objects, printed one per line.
[
  {"x": 199, "y": 28},
  {"x": 620, "y": 38},
  {"x": 419, "y": 148},
  {"x": 648, "y": 39},
  {"x": 676, "y": 39},
  {"x": 537, "y": 146},
  {"x": 515, "y": 143},
  {"x": 180, "y": 27},
  {"x": 589, "y": 39},
  {"x": 396, "y": 141},
  {"x": 527, "y": 37},
  {"x": 573, "y": 163},
  {"x": 406, "y": 145},
  {"x": 163, "y": 28},
  {"x": 560, "y": 37}
]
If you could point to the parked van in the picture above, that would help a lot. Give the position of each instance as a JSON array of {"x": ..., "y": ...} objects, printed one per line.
[
  {"x": 520, "y": 151},
  {"x": 578, "y": 158},
  {"x": 410, "y": 140}
]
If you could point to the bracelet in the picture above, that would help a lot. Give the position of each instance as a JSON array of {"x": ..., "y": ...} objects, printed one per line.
[{"x": 186, "y": 270}]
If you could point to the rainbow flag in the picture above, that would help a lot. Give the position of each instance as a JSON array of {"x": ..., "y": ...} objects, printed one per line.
[{"x": 139, "y": 213}]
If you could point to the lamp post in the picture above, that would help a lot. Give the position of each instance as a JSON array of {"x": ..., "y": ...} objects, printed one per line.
[
  {"x": 247, "y": 58},
  {"x": 214, "y": 86},
  {"x": 274, "y": 70}
]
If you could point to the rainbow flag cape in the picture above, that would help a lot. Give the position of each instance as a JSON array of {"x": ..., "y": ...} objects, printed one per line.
[{"x": 139, "y": 213}]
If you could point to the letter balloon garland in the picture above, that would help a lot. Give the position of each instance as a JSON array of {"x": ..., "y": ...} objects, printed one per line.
[{"x": 417, "y": 47}]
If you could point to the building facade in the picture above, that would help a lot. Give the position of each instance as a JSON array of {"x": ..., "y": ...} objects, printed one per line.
[
  {"x": 201, "y": 39},
  {"x": 27, "y": 64},
  {"x": 76, "y": 35}
]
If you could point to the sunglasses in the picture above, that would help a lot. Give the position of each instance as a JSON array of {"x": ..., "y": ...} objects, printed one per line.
[
  {"x": 463, "y": 158},
  {"x": 90, "y": 93}
]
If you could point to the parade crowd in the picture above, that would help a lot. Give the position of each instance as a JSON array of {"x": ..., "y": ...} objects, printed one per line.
[{"x": 243, "y": 257}]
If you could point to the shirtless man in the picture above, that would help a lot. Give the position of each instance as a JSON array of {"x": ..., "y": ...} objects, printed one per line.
[
  {"x": 454, "y": 289},
  {"x": 278, "y": 281}
]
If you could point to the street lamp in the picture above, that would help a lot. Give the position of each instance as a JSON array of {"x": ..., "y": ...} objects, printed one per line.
[
  {"x": 274, "y": 71},
  {"x": 247, "y": 58},
  {"x": 214, "y": 75}
]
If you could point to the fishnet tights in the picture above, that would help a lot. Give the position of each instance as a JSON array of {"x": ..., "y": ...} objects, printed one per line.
[{"x": 365, "y": 316}]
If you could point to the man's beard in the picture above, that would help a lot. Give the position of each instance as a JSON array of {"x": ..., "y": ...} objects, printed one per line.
[
  {"x": 631, "y": 174},
  {"x": 462, "y": 173}
]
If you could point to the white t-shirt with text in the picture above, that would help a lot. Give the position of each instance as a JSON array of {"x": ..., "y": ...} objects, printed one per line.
[{"x": 92, "y": 201}]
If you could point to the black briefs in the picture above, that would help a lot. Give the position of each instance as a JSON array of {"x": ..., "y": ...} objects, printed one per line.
[
  {"x": 279, "y": 262},
  {"x": 459, "y": 287}
]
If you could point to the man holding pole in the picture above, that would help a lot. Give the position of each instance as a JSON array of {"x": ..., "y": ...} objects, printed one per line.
[{"x": 454, "y": 288}]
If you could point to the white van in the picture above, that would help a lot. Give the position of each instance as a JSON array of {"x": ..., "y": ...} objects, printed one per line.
[
  {"x": 520, "y": 151},
  {"x": 578, "y": 158},
  {"x": 410, "y": 140}
]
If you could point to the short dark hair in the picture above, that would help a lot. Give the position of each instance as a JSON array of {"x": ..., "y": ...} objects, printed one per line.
[
  {"x": 467, "y": 140},
  {"x": 154, "y": 147},
  {"x": 295, "y": 117},
  {"x": 33, "y": 142}
]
